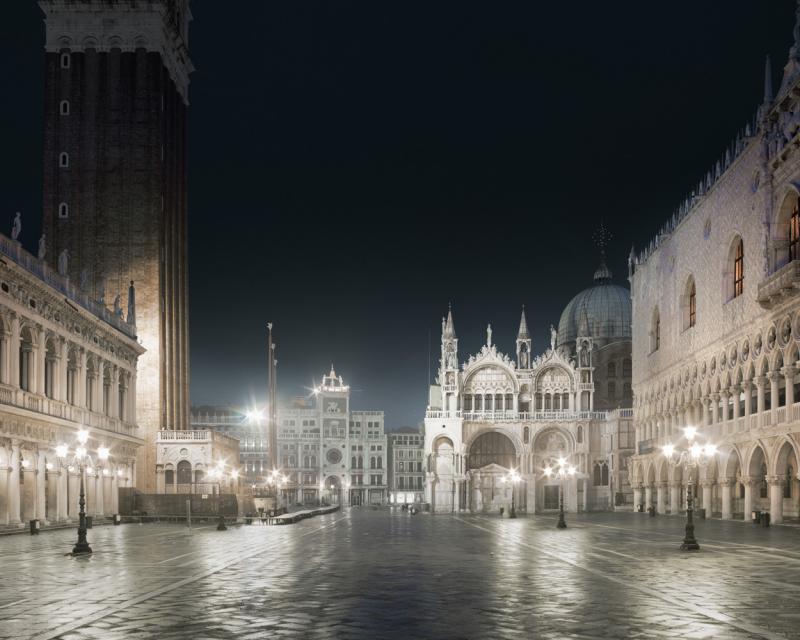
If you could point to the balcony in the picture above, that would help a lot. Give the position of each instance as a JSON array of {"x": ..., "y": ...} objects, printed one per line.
[
  {"x": 518, "y": 416},
  {"x": 22, "y": 399},
  {"x": 784, "y": 283}
]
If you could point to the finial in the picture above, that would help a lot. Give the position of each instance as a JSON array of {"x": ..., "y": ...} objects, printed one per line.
[
  {"x": 523, "y": 334},
  {"x": 768, "y": 95}
]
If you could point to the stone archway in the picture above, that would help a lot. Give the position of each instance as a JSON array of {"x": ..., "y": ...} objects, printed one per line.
[
  {"x": 550, "y": 446},
  {"x": 490, "y": 458}
]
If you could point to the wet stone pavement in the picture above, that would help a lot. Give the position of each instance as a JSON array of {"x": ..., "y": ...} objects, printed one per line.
[{"x": 363, "y": 573}]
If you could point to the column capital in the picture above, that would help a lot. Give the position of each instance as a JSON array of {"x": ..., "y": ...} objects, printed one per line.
[
  {"x": 773, "y": 376},
  {"x": 662, "y": 484},
  {"x": 776, "y": 481},
  {"x": 725, "y": 482},
  {"x": 746, "y": 385},
  {"x": 789, "y": 369},
  {"x": 749, "y": 481},
  {"x": 760, "y": 381},
  {"x": 707, "y": 482},
  {"x": 734, "y": 390}
]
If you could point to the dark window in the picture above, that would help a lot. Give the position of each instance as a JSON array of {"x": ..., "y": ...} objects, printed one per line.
[
  {"x": 611, "y": 370},
  {"x": 526, "y": 435},
  {"x": 692, "y": 305},
  {"x": 597, "y": 476},
  {"x": 764, "y": 488},
  {"x": 184, "y": 472},
  {"x": 738, "y": 270},
  {"x": 580, "y": 434},
  {"x": 605, "y": 475},
  {"x": 794, "y": 232},
  {"x": 492, "y": 448},
  {"x": 787, "y": 488}
]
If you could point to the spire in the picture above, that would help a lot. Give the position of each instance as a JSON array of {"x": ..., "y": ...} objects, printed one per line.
[
  {"x": 768, "y": 95},
  {"x": 449, "y": 327},
  {"x": 523, "y": 334},
  {"x": 792, "y": 68}
]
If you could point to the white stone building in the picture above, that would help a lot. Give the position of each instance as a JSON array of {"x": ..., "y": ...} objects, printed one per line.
[
  {"x": 406, "y": 466},
  {"x": 330, "y": 453},
  {"x": 493, "y": 413},
  {"x": 717, "y": 324},
  {"x": 66, "y": 363}
]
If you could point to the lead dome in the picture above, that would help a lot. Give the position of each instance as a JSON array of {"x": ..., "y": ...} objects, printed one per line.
[{"x": 602, "y": 311}]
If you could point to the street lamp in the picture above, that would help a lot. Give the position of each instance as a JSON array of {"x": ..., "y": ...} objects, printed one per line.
[
  {"x": 562, "y": 472},
  {"x": 690, "y": 457},
  {"x": 81, "y": 458},
  {"x": 347, "y": 488},
  {"x": 513, "y": 479}
]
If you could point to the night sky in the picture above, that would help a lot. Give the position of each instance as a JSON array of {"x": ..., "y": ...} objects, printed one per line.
[{"x": 355, "y": 166}]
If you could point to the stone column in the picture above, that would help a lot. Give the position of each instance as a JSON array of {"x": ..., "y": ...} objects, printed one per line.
[
  {"x": 99, "y": 494},
  {"x": 62, "y": 507},
  {"x": 704, "y": 411},
  {"x": 114, "y": 492},
  {"x": 29, "y": 493},
  {"x": 788, "y": 372},
  {"x": 726, "y": 483},
  {"x": 734, "y": 394},
  {"x": 661, "y": 489},
  {"x": 39, "y": 355},
  {"x": 41, "y": 495},
  {"x": 13, "y": 352},
  {"x": 61, "y": 371},
  {"x": 707, "y": 485},
  {"x": 637, "y": 496},
  {"x": 748, "y": 483},
  {"x": 675, "y": 498},
  {"x": 80, "y": 380},
  {"x": 13, "y": 485},
  {"x": 113, "y": 401},
  {"x": 776, "y": 498},
  {"x": 761, "y": 383},
  {"x": 747, "y": 389},
  {"x": 774, "y": 390},
  {"x": 160, "y": 486},
  {"x": 648, "y": 496},
  {"x": 4, "y": 474},
  {"x": 74, "y": 481}
]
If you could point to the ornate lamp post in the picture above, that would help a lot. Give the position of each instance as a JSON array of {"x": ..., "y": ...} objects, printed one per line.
[
  {"x": 347, "y": 488},
  {"x": 81, "y": 459},
  {"x": 562, "y": 472},
  {"x": 513, "y": 478},
  {"x": 690, "y": 456}
]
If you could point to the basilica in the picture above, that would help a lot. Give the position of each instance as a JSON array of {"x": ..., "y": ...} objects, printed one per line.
[{"x": 497, "y": 425}]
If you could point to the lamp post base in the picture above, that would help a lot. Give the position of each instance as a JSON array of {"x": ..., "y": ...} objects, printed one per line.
[
  {"x": 82, "y": 547},
  {"x": 512, "y": 513},
  {"x": 561, "y": 522}
]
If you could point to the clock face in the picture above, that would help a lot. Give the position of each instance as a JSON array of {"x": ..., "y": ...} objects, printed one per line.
[
  {"x": 334, "y": 456},
  {"x": 334, "y": 405}
]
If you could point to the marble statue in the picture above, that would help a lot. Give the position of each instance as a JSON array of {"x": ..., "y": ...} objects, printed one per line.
[
  {"x": 63, "y": 262},
  {"x": 42, "y": 248},
  {"x": 553, "y": 336},
  {"x": 84, "y": 279},
  {"x": 16, "y": 226}
]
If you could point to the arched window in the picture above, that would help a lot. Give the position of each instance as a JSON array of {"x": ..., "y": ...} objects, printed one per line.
[
  {"x": 692, "y": 304},
  {"x": 604, "y": 478},
  {"x": 655, "y": 331},
  {"x": 611, "y": 370},
  {"x": 184, "y": 472},
  {"x": 65, "y": 61},
  {"x": 63, "y": 108},
  {"x": 580, "y": 434},
  {"x": 597, "y": 476},
  {"x": 612, "y": 390},
  {"x": 63, "y": 210},
  {"x": 63, "y": 160},
  {"x": 738, "y": 269},
  {"x": 353, "y": 463},
  {"x": 526, "y": 435},
  {"x": 380, "y": 462}
]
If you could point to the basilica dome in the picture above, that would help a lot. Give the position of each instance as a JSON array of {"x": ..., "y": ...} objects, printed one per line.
[{"x": 603, "y": 310}]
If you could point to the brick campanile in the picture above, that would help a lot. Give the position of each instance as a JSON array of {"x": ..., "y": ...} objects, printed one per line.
[{"x": 115, "y": 180}]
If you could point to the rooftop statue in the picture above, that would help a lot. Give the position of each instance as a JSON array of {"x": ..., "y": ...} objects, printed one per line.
[
  {"x": 16, "y": 226},
  {"x": 63, "y": 262},
  {"x": 42, "y": 248}
]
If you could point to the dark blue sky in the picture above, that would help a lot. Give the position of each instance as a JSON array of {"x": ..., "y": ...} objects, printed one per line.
[{"x": 354, "y": 166}]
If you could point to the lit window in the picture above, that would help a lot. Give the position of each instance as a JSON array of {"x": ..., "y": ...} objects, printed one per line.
[
  {"x": 794, "y": 232},
  {"x": 63, "y": 160},
  {"x": 63, "y": 210},
  {"x": 738, "y": 270},
  {"x": 64, "y": 108}
]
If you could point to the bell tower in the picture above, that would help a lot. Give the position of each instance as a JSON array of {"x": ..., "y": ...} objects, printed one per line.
[
  {"x": 523, "y": 343},
  {"x": 115, "y": 180},
  {"x": 448, "y": 370}
]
